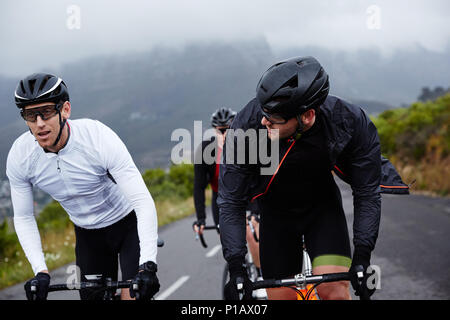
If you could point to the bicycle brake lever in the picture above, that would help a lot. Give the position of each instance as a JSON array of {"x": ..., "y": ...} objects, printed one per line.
[
  {"x": 33, "y": 289},
  {"x": 240, "y": 287},
  {"x": 360, "y": 273},
  {"x": 33, "y": 286}
]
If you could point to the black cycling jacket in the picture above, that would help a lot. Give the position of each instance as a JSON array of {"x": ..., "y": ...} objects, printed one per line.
[
  {"x": 354, "y": 153},
  {"x": 203, "y": 173}
]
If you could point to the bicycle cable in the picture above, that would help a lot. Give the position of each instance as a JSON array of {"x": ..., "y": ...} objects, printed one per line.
[
  {"x": 310, "y": 291},
  {"x": 297, "y": 291}
]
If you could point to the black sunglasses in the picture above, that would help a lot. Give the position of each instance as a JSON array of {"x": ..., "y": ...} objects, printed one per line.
[
  {"x": 274, "y": 118},
  {"x": 46, "y": 112},
  {"x": 222, "y": 130}
]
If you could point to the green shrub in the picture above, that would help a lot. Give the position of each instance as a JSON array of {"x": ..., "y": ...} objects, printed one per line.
[
  {"x": 183, "y": 177},
  {"x": 408, "y": 132},
  {"x": 8, "y": 240},
  {"x": 53, "y": 217},
  {"x": 154, "y": 177},
  {"x": 177, "y": 183}
]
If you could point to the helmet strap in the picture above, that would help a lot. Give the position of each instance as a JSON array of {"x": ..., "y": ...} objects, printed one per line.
[
  {"x": 300, "y": 128},
  {"x": 62, "y": 123}
]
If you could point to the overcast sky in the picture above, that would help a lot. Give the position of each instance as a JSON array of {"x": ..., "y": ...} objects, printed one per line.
[{"x": 40, "y": 33}]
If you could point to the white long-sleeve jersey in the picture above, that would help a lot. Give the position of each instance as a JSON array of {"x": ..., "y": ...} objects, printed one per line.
[{"x": 77, "y": 177}]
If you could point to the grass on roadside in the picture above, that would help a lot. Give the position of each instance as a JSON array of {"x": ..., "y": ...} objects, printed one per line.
[{"x": 431, "y": 175}]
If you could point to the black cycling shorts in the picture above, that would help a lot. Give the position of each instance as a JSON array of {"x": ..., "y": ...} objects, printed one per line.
[
  {"x": 325, "y": 232},
  {"x": 98, "y": 251}
]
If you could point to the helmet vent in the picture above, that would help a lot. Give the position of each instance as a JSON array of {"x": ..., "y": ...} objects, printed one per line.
[
  {"x": 31, "y": 83},
  {"x": 44, "y": 82},
  {"x": 21, "y": 86},
  {"x": 292, "y": 83},
  {"x": 320, "y": 73},
  {"x": 57, "y": 90}
]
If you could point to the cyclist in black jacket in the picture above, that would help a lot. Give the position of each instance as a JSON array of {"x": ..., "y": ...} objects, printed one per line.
[
  {"x": 207, "y": 172},
  {"x": 317, "y": 133}
]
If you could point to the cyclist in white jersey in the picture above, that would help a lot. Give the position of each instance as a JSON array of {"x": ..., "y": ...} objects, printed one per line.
[{"x": 86, "y": 167}]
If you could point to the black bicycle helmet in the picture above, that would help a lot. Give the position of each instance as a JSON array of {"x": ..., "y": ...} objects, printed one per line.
[
  {"x": 293, "y": 86},
  {"x": 222, "y": 117},
  {"x": 40, "y": 87}
]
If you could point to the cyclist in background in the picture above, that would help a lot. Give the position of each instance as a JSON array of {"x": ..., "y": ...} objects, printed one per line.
[
  {"x": 208, "y": 173},
  {"x": 317, "y": 133},
  {"x": 84, "y": 166}
]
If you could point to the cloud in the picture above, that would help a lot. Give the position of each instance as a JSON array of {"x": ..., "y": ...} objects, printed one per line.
[{"x": 35, "y": 34}]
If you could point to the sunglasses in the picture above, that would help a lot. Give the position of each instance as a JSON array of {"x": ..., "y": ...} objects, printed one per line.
[
  {"x": 223, "y": 130},
  {"x": 46, "y": 112},
  {"x": 274, "y": 118}
]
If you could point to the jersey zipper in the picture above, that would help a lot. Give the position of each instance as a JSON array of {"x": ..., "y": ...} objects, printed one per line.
[{"x": 57, "y": 163}]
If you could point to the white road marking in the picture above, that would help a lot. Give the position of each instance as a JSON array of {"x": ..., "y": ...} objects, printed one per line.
[
  {"x": 213, "y": 251},
  {"x": 174, "y": 287}
]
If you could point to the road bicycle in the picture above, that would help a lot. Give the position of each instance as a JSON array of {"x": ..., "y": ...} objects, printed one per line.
[
  {"x": 97, "y": 283},
  {"x": 307, "y": 292},
  {"x": 305, "y": 283}
]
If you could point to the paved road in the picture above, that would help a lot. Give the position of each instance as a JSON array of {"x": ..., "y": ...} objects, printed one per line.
[{"x": 412, "y": 252}]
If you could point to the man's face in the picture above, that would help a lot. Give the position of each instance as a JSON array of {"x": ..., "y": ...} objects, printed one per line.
[
  {"x": 46, "y": 131},
  {"x": 221, "y": 130},
  {"x": 280, "y": 131}
]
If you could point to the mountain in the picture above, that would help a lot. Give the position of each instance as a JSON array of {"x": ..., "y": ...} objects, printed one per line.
[{"x": 145, "y": 96}]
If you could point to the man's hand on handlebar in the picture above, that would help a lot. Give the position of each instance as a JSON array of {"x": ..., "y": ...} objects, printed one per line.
[
  {"x": 359, "y": 276},
  {"x": 239, "y": 287},
  {"x": 37, "y": 287},
  {"x": 146, "y": 284},
  {"x": 199, "y": 226}
]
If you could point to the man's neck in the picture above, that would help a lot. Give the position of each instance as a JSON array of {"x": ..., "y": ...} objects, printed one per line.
[
  {"x": 220, "y": 140},
  {"x": 65, "y": 135}
]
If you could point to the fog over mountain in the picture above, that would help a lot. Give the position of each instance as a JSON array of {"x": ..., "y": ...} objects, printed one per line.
[
  {"x": 40, "y": 33},
  {"x": 145, "y": 96}
]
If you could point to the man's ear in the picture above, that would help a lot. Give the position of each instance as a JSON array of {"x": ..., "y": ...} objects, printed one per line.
[
  {"x": 65, "y": 110},
  {"x": 308, "y": 116}
]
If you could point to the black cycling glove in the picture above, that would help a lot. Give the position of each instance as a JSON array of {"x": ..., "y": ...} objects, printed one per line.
[
  {"x": 198, "y": 223},
  {"x": 358, "y": 273},
  {"x": 239, "y": 287},
  {"x": 41, "y": 282},
  {"x": 147, "y": 282}
]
